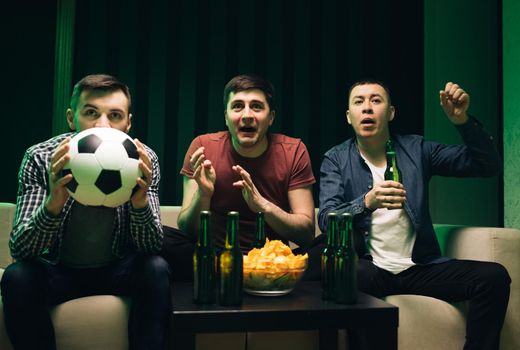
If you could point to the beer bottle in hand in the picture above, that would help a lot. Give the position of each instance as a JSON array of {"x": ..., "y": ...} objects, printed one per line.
[
  {"x": 204, "y": 264},
  {"x": 392, "y": 172},
  {"x": 259, "y": 241},
  {"x": 328, "y": 257},
  {"x": 346, "y": 263},
  {"x": 230, "y": 265}
]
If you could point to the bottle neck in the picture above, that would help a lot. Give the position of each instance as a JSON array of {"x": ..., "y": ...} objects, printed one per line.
[
  {"x": 204, "y": 235},
  {"x": 332, "y": 231},
  {"x": 260, "y": 227},
  {"x": 232, "y": 232},
  {"x": 347, "y": 238}
]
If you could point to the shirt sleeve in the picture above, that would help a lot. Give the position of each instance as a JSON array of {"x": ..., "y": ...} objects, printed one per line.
[
  {"x": 477, "y": 157},
  {"x": 302, "y": 169},
  {"x": 332, "y": 194},
  {"x": 145, "y": 224},
  {"x": 35, "y": 230}
]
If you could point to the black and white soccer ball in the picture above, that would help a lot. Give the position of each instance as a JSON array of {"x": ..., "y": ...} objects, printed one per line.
[{"x": 105, "y": 165}]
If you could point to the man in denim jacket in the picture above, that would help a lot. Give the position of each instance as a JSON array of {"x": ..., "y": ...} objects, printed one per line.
[{"x": 395, "y": 240}]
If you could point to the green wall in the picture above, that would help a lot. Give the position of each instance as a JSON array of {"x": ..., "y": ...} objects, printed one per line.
[
  {"x": 461, "y": 45},
  {"x": 511, "y": 81}
]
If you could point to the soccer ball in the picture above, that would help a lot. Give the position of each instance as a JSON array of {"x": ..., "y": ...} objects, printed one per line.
[{"x": 105, "y": 165}]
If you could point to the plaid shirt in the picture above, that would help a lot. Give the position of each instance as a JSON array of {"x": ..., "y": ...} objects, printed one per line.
[{"x": 37, "y": 233}]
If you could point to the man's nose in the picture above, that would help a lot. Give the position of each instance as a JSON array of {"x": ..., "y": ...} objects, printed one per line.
[
  {"x": 103, "y": 121},
  {"x": 247, "y": 116},
  {"x": 367, "y": 108}
]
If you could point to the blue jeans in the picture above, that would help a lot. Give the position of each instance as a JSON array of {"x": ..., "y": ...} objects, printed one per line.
[{"x": 30, "y": 287}]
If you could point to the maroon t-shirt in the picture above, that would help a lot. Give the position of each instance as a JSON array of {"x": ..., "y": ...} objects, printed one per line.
[{"x": 284, "y": 166}]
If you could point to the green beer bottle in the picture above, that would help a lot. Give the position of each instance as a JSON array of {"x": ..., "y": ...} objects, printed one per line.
[
  {"x": 204, "y": 264},
  {"x": 328, "y": 257},
  {"x": 259, "y": 241},
  {"x": 392, "y": 172},
  {"x": 346, "y": 263},
  {"x": 230, "y": 265}
]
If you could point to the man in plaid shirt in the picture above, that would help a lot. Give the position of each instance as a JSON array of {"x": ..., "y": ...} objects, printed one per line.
[{"x": 65, "y": 250}]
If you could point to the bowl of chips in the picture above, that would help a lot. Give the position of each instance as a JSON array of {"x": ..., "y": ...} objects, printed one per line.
[{"x": 272, "y": 270}]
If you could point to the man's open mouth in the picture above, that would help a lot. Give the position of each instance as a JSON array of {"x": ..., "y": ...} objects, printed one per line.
[
  {"x": 368, "y": 121},
  {"x": 247, "y": 129}
]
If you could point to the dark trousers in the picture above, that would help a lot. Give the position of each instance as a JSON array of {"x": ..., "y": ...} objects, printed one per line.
[
  {"x": 484, "y": 285},
  {"x": 30, "y": 287},
  {"x": 178, "y": 250}
]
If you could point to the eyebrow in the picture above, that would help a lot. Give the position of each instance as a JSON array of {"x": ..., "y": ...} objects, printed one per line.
[
  {"x": 88, "y": 105},
  {"x": 252, "y": 101},
  {"x": 372, "y": 95}
]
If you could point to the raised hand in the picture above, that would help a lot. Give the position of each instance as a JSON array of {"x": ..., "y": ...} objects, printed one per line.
[
  {"x": 140, "y": 198},
  {"x": 455, "y": 102},
  {"x": 203, "y": 172},
  {"x": 58, "y": 194},
  {"x": 253, "y": 198}
]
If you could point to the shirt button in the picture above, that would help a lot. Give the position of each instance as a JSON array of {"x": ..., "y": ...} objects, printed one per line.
[
  {"x": 369, "y": 187},
  {"x": 366, "y": 233}
]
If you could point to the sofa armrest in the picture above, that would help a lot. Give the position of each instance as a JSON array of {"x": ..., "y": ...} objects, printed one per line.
[
  {"x": 501, "y": 245},
  {"x": 6, "y": 224}
]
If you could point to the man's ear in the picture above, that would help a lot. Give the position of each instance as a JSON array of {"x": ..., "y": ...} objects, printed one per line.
[
  {"x": 392, "y": 113},
  {"x": 70, "y": 119},
  {"x": 129, "y": 124},
  {"x": 347, "y": 114}
]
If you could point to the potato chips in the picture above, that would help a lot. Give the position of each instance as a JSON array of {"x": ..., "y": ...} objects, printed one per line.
[
  {"x": 274, "y": 256},
  {"x": 272, "y": 268}
]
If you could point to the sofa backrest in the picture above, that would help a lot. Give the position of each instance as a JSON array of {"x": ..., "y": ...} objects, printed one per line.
[{"x": 6, "y": 223}]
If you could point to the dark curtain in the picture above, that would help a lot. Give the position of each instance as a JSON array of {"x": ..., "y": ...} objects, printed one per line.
[{"x": 176, "y": 56}]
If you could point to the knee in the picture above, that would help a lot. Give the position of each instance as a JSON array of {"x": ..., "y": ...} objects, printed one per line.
[
  {"x": 494, "y": 277},
  {"x": 155, "y": 268},
  {"x": 22, "y": 280},
  {"x": 497, "y": 275}
]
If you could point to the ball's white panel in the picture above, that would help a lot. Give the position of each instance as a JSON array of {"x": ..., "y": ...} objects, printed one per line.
[
  {"x": 118, "y": 197},
  {"x": 111, "y": 155},
  {"x": 110, "y": 134},
  {"x": 88, "y": 195},
  {"x": 85, "y": 168},
  {"x": 130, "y": 172}
]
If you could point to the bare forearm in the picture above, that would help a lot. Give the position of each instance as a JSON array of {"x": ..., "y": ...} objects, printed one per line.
[
  {"x": 298, "y": 228},
  {"x": 188, "y": 219}
]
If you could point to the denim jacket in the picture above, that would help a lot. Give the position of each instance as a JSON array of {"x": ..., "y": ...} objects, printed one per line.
[{"x": 345, "y": 179}]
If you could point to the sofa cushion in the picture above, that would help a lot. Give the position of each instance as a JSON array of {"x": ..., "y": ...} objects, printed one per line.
[{"x": 419, "y": 326}]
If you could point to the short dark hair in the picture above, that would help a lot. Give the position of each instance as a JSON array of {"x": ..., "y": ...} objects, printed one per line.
[
  {"x": 249, "y": 82},
  {"x": 369, "y": 81},
  {"x": 98, "y": 82}
]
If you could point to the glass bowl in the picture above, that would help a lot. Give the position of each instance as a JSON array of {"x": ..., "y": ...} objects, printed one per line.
[{"x": 271, "y": 281}]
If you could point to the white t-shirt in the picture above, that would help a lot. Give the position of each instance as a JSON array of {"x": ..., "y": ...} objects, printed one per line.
[{"x": 391, "y": 236}]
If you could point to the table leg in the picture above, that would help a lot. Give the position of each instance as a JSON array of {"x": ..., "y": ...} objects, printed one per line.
[
  {"x": 185, "y": 341},
  {"x": 372, "y": 338},
  {"x": 328, "y": 339}
]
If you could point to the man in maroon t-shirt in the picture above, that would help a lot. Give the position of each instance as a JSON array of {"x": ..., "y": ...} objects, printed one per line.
[{"x": 244, "y": 169}]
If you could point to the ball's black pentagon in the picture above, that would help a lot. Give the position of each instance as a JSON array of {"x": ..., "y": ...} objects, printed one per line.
[
  {"x": 130, "y": 148},
  {"x": 89, "y": 144},
  {"x": 136, "y": 187},
  {"x": 109, "y": 181},
  {"x": 73, "y": 184}
]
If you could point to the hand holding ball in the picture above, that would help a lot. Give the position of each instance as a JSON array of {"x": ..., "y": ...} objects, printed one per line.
[{"x": 105, "y": 165}]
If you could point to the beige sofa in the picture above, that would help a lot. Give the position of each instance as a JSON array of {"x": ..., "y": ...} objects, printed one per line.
[{"x": 99, "y": 322}]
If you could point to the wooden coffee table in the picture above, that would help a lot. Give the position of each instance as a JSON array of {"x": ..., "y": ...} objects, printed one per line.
[{"x": 302, "y": 309}]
